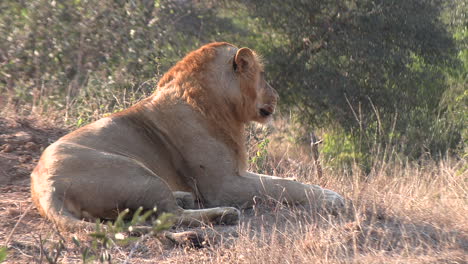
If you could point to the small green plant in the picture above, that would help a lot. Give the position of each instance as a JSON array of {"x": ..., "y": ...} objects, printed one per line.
[
  {"x": 340, "y": 150},
  {"x": 111, "y": 235},
  {"x": 52, "y": 255},
  {"x": 261, "y": 155},
  {"x": 3, "y": 253}
]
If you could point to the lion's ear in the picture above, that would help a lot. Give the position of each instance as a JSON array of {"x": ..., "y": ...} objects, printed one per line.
[{"x": 244, "y": 60}]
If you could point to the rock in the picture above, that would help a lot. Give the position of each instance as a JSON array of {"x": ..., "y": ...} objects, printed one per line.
[
  {"x": 17, "y": 138},
  {"x": 13, "y": 212},
  {"x": 7, "y": 148},
  {"x": 24, "y": 159},
  {"x": 31, "y": 146}
]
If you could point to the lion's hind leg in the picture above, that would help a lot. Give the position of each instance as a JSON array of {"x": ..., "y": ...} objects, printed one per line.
[{"x": 149, "y": 191}]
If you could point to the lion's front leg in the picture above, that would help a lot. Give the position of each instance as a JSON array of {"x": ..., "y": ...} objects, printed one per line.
[{"x": 243, "y": 189}]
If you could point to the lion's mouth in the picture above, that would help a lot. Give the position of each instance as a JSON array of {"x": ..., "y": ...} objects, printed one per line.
[{"x": 265, "y": 113}]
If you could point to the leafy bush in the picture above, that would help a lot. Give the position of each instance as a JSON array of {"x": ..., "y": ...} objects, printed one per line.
[
  {"x": 386, "y": 61},
  {"x": 340, "y": 150}
]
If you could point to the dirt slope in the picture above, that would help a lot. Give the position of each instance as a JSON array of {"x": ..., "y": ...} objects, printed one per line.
[{"x": 21, "y": 143}]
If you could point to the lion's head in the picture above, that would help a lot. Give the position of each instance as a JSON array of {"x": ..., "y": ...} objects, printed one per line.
[
  {"x": 227, "y": 86},
  {"x": 259, "y": 98},
  {"x": 224, "y": 82}
]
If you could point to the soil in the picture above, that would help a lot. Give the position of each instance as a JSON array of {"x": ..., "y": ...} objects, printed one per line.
[
  {"x": 21, "y": 144},
  {"x": 22, "y": 141}
]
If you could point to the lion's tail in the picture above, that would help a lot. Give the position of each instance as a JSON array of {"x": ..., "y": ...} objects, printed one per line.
[
  {"x": 53, "y": 209},
  {"x": 66, "y": 221}
]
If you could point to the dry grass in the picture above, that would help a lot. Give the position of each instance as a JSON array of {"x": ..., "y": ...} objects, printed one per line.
[{"x": 402, "y": 212}]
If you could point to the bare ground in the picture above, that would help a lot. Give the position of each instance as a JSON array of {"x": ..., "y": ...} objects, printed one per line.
[{"x": 403, "y": 221}]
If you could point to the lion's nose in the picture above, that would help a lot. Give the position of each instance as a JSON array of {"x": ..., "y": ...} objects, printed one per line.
[
  {"x": 265, "y": 113},
  {"x": 268, "y": 109},
  {"x": 275, "y": 93}
]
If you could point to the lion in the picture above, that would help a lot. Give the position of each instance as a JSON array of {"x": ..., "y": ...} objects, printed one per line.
[{"x": 184, "y": 143}]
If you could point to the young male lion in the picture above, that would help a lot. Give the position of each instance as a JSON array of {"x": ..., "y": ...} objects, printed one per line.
[{"x": 186, "y": 140}]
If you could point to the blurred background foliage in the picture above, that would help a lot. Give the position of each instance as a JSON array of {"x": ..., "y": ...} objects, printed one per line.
[{"x": 375, "y": 76}]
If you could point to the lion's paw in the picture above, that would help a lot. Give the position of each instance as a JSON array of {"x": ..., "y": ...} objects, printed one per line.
[
  {"x": 333, "y": 202},
  {"x": 187, "y": 238},
  {"x": 185, "y": 200},
  {"x": 229, "y": 216}
]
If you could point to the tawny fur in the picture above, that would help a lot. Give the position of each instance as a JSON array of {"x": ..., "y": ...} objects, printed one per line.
[{"x": 188, "y": 136}]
